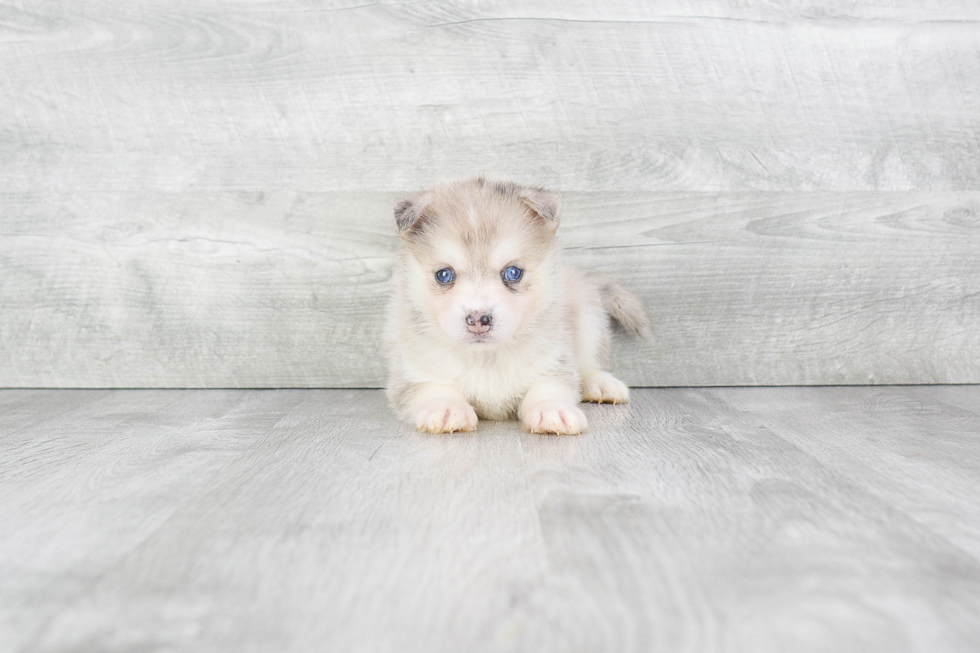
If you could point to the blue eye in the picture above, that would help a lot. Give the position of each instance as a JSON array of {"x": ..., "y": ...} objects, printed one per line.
[
  {"x": 445, "y": 276},
  {"x": 513, "y": 273}
]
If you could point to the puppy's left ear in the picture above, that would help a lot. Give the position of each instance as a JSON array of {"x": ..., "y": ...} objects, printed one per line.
[{"x": 546, "y": 204}]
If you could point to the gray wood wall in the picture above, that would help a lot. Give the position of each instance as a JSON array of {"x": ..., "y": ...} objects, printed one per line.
[{"x": 197, "y": 193}]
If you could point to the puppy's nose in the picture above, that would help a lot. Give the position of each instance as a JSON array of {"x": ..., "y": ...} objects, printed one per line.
[{"x": 479, "y": 322}]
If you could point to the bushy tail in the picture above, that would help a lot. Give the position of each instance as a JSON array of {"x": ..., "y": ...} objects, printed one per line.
[{"x": 626, "y": 308}]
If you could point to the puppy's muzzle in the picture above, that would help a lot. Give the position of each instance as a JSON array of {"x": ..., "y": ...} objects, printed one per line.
[{"x": 479, "y": 323}]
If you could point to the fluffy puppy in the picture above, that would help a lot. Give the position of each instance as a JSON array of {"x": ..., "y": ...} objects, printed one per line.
[{"x": 486, "y": 321}]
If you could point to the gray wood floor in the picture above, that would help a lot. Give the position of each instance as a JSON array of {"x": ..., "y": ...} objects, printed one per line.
[{"x": 756, "y": 519}]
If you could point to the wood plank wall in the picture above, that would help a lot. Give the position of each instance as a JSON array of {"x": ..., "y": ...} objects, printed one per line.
[{"x": 197, "y": 193}]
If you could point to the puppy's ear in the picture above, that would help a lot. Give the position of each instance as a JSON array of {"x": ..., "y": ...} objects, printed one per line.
[
  {"x": 545, "y": 204},
  {"x": 409, "y": 213}
]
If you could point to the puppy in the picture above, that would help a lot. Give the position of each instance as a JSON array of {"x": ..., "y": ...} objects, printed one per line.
[{"x": 486, "y": 321}]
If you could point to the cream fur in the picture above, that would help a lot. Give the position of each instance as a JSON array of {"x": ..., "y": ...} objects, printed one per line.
[{"x": 549, "y": 339}]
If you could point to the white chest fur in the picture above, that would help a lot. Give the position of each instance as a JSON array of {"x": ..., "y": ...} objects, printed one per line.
[{"x": 494, "y": 379}]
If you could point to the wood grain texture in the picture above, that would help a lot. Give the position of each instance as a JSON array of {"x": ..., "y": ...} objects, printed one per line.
[
  {"x": 134, "y": 95},
  {"x": 766, "y": 519},
  {"x": 894, "y": 449},
  {"x": 196, "y": 194},
  {"x": 286, "y": 289},
  {"x": 83, "y": 489}
]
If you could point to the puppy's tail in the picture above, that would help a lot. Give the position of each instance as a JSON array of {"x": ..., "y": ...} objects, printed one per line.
[{"x": 625, "y": 307}]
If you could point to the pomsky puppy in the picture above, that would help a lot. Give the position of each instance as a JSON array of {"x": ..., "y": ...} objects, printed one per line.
[{"x": 486, "y": 321}]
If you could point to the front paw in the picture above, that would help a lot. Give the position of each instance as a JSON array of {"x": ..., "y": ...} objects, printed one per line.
[
  {"x": 446, "y": 417},
  {"x": 557, "y": 418},
  {"x": 604, "y": 388}
]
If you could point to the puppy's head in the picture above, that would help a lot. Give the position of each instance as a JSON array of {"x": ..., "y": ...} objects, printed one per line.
[{"x": 479, "y": 257}]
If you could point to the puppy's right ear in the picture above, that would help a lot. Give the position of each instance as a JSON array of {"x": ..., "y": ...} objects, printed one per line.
[{"x": 409, "y": 213}]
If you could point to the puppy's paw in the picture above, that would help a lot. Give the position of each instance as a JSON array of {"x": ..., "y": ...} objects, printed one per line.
[
  {"x": 446, "y": 417},
  {"x": 604, "y": 388},
  {"x": 557, "y": 418}
]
